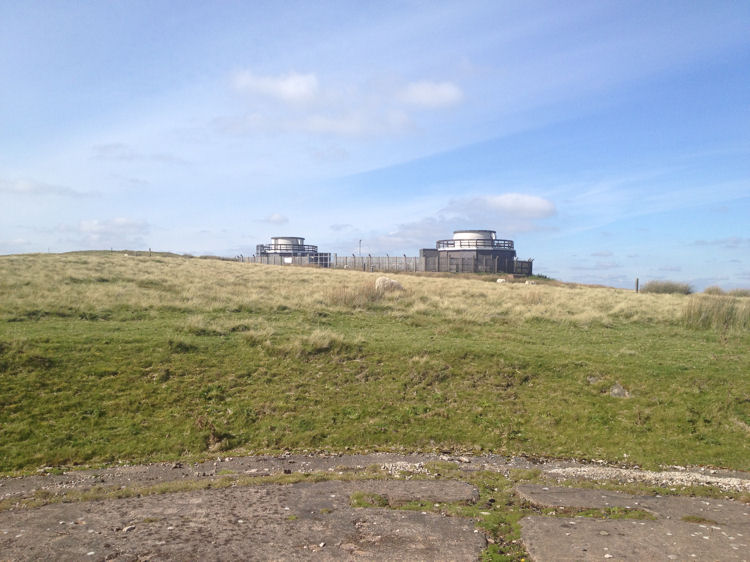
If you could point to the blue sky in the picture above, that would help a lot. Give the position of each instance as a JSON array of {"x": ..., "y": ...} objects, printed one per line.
[{"x": 610, "y": 140}]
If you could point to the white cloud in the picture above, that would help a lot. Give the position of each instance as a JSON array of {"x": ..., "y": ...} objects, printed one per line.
[
  {"x": 121, "y": 152},
  {"x": 118, "y": 225},
  {"x": 292, "y": 87},
  {"x": 119, "y": 232},
  {"x": 113, "y": 151},
  {"x": 346, "y": 110},
  {"x": 276, "y": 218},
  {"x": 18, "y": 245},
  {"x": 354, "y": 124},
  {"x": 520, "y": 205},
  {"x": 329, "y": 153},
  {"x": 409, "y": 237},
  {"x": 431, "y": 94},
  {"x": 341, "y": 226},
  {"x": 38, "y": 189},
  {"x": 598, "y": 266},
  {"x": 507, "y": 213},
  {"x": 345, "y": 125},
  {"x": 731, "y": 243},
  {"x": 335, "y": 122}
]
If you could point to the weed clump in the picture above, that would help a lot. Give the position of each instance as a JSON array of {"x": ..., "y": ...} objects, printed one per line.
[
  {"x": 368, "y": 499},
  {"x": 314, "y": 343},
  {"x": 357, "y": 296},
  {"x": 717, "y": 312},
  {"x": 667, "y": 287},
  {"x": 718, "y": 291}
]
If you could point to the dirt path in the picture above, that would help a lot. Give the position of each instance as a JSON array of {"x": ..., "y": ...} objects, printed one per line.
[{"x": 272, "y": 521}]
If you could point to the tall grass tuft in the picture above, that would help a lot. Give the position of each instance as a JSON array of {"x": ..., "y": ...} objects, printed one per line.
[
  {"x": 718, "y": 312},
  {"x": 357, "y": 296},
  {"x": 739, "y": 293},
  {"x": 667, "y": 287}
]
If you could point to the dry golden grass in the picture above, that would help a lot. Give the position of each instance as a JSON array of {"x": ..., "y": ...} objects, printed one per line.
[
  {"x": 717, "y": 312},
  {"x": 63, "y": 285}
]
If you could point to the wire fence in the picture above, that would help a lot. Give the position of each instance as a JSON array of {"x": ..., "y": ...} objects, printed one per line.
[{"x": 439, "y": 263}]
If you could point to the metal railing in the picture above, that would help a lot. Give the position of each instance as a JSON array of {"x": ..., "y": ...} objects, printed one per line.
[
  {"x": 439, "y": 263},
  {"x": 475, "y": 243},
  {"x": 286, "y": 249}
]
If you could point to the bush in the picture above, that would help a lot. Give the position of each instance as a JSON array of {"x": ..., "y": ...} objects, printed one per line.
[
  {"x": 713, "y": 290},
  {"x": 671, "y": 287}
]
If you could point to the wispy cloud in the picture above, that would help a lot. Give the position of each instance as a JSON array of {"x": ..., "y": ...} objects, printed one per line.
[
  {"x": 511, "y": 212},
  {"x": 35, "y": 188},
  {"x": 329, "y": 153},
  {"x": 301, "y": 103},
  {"x": 336, "y": 122},
  {"x": 431, "y": 94},
  {"x": 292, "y": 87},
  {"x": 122, "y": 152},
  {"x": 119, "y": 232},
  {"x": 275, "y": 218},
  {"x": 730, "y": 243},
  {"x": 517, "y": 205},
  {"x": 354, "y": 124},
  {"x": 340, "y": 227},
  {"x": 599, "y": 266}
]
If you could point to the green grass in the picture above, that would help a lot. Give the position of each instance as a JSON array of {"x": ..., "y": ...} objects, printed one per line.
[
  {"x": 106, "y": 359},
  {"x": 698, "y": 519}
]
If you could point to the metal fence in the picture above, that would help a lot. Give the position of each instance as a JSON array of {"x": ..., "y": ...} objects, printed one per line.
[{"x": 440, "y": 263}]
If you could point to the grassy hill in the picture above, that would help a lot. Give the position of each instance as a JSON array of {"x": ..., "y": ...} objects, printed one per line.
[{"x": 106, "y": 357}]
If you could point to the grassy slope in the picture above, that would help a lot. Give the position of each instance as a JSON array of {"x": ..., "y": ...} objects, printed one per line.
[{"x": 105, "y": 357}]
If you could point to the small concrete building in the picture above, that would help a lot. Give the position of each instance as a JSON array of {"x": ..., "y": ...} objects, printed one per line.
[
  {"x": 474, "y": 250},
  {"x": 291, "y": 250}
]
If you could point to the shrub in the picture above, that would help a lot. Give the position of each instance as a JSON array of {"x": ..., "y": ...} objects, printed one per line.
[
  {"x": 671, "y": 287},
  {"x": 713, "y": 290}
]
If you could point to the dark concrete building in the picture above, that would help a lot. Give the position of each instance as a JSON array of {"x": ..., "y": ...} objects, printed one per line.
[
  {"x": 291, "y": 250},
  {"x": 479, "y": 251}
]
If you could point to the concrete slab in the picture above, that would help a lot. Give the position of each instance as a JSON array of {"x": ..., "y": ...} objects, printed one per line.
[
  {"x": 561, "y": 539},
  {"x": 271, "y": 522},
  {"x": 685, "y": 529}
]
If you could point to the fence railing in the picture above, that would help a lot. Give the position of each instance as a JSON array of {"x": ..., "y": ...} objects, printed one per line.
[
  {"x": 475, "y": 243},
  {"x": 439, "y": 263},
  {"x": 286, "y": 248}
]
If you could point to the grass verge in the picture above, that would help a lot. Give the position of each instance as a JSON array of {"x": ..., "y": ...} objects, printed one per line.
[{"x": 107, "y": 358}]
